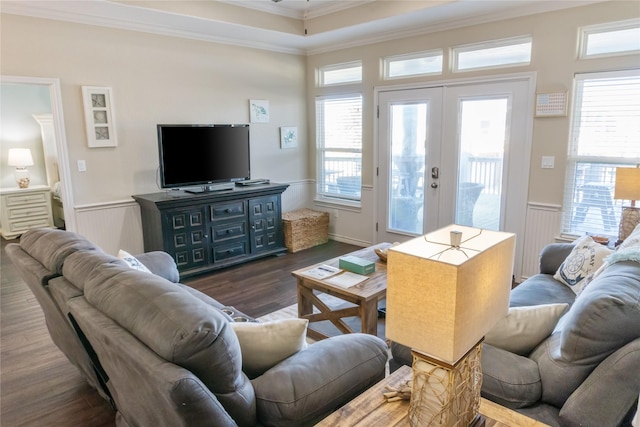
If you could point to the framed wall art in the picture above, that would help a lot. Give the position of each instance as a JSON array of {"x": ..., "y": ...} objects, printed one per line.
[
  {"x": 288, "y": 137},
  {"x": 99, "y": 117},
  {"x": 259, "y": 111}
]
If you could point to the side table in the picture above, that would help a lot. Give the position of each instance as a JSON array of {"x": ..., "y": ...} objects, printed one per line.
[{"x": 371, "y": 409}]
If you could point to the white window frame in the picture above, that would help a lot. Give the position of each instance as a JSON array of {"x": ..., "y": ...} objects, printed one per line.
[
  {"x": 610, "y": 27},
  {"x": 387, "y": 61},
  {"x": 607, "y": 164},
  {"x": 487, "y": 45},
  {"x": 324, "y": 70},
  {"x": 324, "y": 191}
]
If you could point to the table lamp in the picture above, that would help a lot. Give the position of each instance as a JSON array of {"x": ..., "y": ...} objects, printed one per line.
[
  {"x": 445, "y": 291},
  {"x": 628, "y": 188},
  {"x": 21, "y": 158}
]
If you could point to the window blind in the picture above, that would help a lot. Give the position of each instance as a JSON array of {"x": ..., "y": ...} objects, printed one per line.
[
  {"x": 605, "y": 134},
  {"x": 339, "y": 146}
]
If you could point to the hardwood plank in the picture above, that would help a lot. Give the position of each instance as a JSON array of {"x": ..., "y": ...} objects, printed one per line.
[{"x": 40, "y": 387}]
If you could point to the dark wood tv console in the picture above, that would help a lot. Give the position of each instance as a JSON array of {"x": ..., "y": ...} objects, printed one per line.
[{"x": 207, "y": 231}]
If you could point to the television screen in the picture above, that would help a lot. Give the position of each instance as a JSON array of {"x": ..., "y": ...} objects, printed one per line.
[{"x": 193, "y": 155}]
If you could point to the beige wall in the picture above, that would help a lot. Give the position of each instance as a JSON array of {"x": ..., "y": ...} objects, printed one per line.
[
  {"x": 554, "y": 58},
  {"x": 157, "y": 79}
]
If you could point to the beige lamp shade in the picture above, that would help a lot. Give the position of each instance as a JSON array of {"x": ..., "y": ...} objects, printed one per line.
[
  {"x": 627, "y": 184},
  {"x": 20, "y": 157},
  {"x": 442, "y": 300}
]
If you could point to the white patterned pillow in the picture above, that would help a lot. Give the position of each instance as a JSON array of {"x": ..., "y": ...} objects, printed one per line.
[
  {"x": 632, "y": 240},
  {"x": 586, "y": 257},
  {"x": 132, "y": 261}
]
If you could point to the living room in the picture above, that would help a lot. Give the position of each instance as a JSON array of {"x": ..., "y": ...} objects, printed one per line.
[{"x": 160, "y": 78}]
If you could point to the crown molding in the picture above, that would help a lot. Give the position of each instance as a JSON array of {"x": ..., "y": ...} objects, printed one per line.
[{"x": 137, "y": 18}]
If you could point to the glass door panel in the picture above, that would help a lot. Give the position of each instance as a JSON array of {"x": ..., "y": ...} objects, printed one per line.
[
  {"x": 409, "y": 132},
  {"x": 406, "y": 189},
  {"x": 483, "y": 127}
]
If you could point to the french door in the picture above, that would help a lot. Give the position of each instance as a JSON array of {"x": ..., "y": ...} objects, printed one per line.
[{"x": 456, "y": 153}]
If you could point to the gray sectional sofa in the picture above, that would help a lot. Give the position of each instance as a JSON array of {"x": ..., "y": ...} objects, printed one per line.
[
  {"x": 166, "y": 355},
  {"x": 587, "y": 372}
]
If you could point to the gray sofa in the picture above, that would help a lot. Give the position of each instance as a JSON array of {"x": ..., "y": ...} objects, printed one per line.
[
  {"x": 587, "y": 372},
  {"x": 166, "y": 355}
]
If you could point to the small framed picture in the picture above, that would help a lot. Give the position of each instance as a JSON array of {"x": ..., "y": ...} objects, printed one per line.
[
  {"x": 99, "y": 117},
  {"x": 259, "y": 111},
  {"x": 288, "y": 137}
]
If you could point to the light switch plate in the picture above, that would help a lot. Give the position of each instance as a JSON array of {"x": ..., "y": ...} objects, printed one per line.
[
  {"x": 548, "y": 162},
  {"x": 82, "y": 166}
]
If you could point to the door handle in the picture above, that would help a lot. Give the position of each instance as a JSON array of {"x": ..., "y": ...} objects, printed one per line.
[
  {"x": 434, "y": 185},
  {"x": 435, "y": 173}
]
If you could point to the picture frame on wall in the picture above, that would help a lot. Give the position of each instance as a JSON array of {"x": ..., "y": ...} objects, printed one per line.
[
  {"x": 288, "y": 137},
  {"x": 259, "y": 110},
  {"x": 99, "y": 116}
]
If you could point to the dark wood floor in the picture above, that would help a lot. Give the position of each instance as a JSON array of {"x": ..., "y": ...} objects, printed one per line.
[{"x": 38, "y": 385}]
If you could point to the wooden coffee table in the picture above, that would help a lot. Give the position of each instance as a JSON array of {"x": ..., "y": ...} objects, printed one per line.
[
  {"x": 364, "y": 295},
  {"x": 370, "y": 409}
]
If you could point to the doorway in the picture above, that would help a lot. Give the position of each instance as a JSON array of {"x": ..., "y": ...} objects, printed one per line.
[
  {"x": 55, "y": 140},
  {"x": 453, "y": 153}
]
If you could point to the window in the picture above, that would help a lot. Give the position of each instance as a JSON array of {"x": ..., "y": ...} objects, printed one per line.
[
  {"x": 498, "y": 53},
  {"x": 340, "y": 74},
  {"x": 413, "y": 64},
  {"x": 339, "y": 146},
  {"x": 618, "y": 38},
  {"x": 605, "y": 134}
]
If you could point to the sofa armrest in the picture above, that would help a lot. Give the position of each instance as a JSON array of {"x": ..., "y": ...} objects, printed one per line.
[
  {"x": 312, "y": 383},
  {"x": 608, "y": 394},
  {"x": 552, "y": 255},
  {"x": 509, "y": 379},
  {"x": 161, "y": 264}
]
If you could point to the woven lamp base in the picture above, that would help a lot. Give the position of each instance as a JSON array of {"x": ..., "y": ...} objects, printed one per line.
[{"x": 446, "y": 395}]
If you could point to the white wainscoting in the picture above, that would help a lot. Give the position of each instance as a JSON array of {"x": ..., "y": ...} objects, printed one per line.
[
  {"x": 299, "y": 195},
  {"x": 542, "y": 227},
  {"x": 112, "y": 226}
]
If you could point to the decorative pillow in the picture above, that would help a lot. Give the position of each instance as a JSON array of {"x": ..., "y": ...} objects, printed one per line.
[
  {"x": 132, "y": 261},
  {"x": 264, "y": 345},
  {"x": 523, "y": 328},
  {"x": 631, "y": 253},
  {"x": 632, "y": 240},
  {"x": 586, "y": 257}
]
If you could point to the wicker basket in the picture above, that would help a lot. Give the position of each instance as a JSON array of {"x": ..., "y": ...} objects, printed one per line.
[{"x": 305, "y": 228}]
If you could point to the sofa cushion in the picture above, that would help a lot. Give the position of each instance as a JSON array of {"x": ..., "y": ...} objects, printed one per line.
[
  {"x": 509, "y": 379},
  {"x": 266, "y": 344},
  {"x": 305, "y": 387},
  {"x": 51, "y": 246},
  {"x": 523, "y": 328},
  {"x": 179, "y": 328},
  {"x": 586, "y": 258},
  {"x": 541, "y": 289},
  {"x": 80, "y": 264},
  {"x": 604, "y": 317}
]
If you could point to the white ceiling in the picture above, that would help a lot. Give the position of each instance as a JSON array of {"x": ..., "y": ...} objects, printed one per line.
[{"x": 280, "y": 26}]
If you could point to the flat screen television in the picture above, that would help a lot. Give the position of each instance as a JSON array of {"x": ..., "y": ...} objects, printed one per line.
[{"x": 203, "y": 155}]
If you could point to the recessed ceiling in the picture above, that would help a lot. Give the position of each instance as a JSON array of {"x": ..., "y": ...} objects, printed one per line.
[{"x": 291, "y": 26}]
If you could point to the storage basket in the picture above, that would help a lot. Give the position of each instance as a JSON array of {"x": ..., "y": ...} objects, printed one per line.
[{"x": 305, "y": 228}]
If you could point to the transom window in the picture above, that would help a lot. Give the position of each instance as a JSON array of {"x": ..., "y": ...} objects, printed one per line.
[
  {"x": 493, "y": 54},
  {"x": 337, "y": 74},
  {"x": 616, "y": 38},
  {"x": 413, "y": 64}
]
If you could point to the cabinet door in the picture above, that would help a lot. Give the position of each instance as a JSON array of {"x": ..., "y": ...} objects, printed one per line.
[
  {"x": 186, "y": 237},
  {"x": 265, "y": 223}
]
